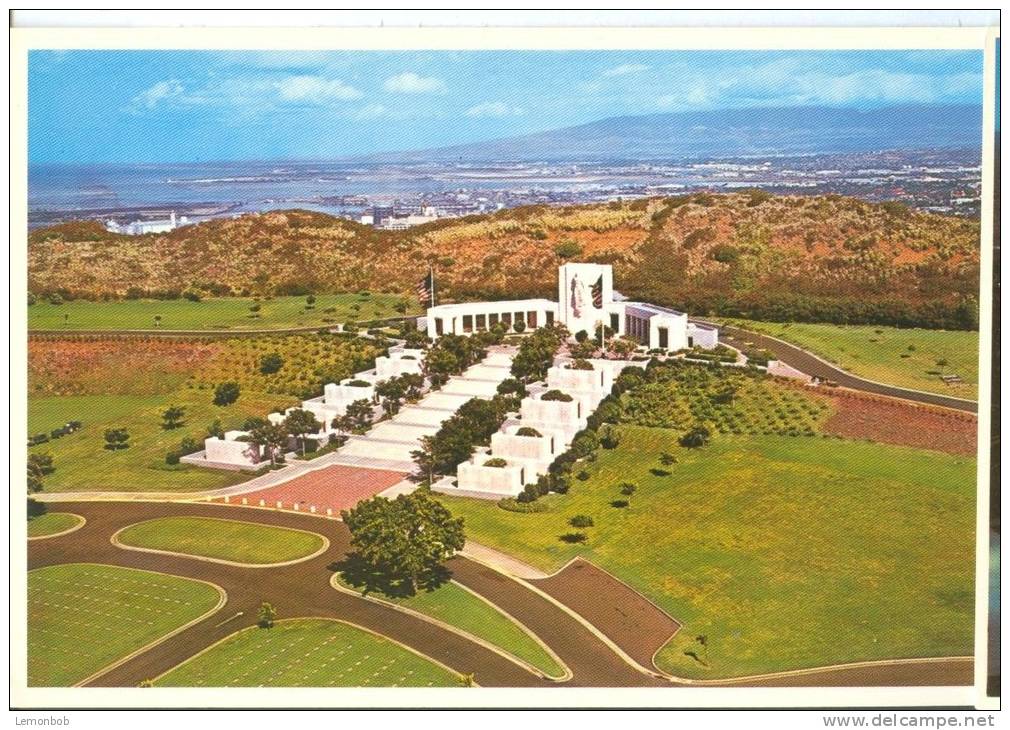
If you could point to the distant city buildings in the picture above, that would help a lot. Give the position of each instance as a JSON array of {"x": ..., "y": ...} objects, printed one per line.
[
  {"x": 384, "y": 216},
  {"x": 140, "y": 227}
]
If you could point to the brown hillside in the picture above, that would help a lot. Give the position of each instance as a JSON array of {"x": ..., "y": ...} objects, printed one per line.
[{"x": 726, "y": 252}]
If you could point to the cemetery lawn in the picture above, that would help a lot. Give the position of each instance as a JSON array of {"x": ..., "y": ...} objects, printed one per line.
[
  {"x": 52, "y": 523},
  {"x": 783, "y": 552},
  {"x": 83, "y": 617},
  {"x": 84, "y": 464},
  {"x": 307, "y": 653},
  {"x": 454, "y": 605},
  {"x": 231, "y": 540},
  {"x": 214, "y": 314},
  {"x": 902, "y": 357}
]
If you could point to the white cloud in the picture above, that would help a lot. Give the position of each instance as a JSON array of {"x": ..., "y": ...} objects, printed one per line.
[
  {"x": 371, "y": 111},
  {"x": 790, "y": 82},
  {"x": 494, "y": 109},
  {"x": 315, "y": 89},
  {"x": 410, "y": 83},
  {"x": 625, "y": 68},
  {"x": 153, "y": 95}
]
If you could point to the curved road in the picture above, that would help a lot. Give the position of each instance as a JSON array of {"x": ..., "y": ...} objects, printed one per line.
[
  {"x": 812, "y": 365},
  {"x": 303, "y": 590}
]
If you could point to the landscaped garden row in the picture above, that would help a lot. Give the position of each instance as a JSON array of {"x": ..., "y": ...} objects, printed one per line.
[{"x": 769, "y": 547}]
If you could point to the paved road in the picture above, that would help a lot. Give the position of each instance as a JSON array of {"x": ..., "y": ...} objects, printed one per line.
[
  {"x": 303, "y": 589},
  {"x": 811, "y": 365}
]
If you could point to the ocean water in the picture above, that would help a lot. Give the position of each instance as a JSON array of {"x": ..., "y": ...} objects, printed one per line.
[{"x": 262, "y": 185}]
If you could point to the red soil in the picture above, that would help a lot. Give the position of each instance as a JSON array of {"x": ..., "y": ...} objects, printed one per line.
[
  {"x": 893, "y": 421},
  {"x": 335, "y": 487}
]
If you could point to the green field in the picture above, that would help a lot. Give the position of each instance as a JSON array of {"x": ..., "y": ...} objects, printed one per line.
[
  {"x": 456, "y": 606},
  {"x": 52, "y": 523},
  {"x": 905, "y": 357},
  {"x": 783, "y": 552},
  {"x": 84, "y": 617},
  {"x": 229, "y": 313},
  {"x": 231, "y": 540},
  {"x": 83, "y": 464},
  {"x": 307, "y": 653}
]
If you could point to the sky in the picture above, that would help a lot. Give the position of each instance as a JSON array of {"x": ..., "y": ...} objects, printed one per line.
[{"x": 188, "y": 106}]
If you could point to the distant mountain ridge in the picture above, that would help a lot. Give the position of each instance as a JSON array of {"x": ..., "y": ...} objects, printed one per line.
[{"x": 731, "y": 133}]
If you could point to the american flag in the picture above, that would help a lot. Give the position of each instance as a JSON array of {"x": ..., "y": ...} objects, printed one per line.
[
  {"x": 597, "y": 292},
  {"x": 426, "y": 290}
]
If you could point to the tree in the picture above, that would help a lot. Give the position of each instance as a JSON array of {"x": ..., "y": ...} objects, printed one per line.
[
  {"x": 226, "y": 393},
  {"x": 215, "y": 430},
  {"x": 39, "y": 465},
  {"x": 299, "y": 423},
  {"x": 270, "y": 437},
  {"x": 439, "y": 365},
  {"x": 116, "y": 438},
  {"x": 271, "y": 363},
  {"x": 172, "y": 417},
  {"x": 266, "y": 615},
  {"x": 359, "y": 414},
  {"x": 401, "y": 306},
  {"x": 157, "y": 320},
  {"x": 392, "y": 392},
  {"x": 401, "y": 545}
]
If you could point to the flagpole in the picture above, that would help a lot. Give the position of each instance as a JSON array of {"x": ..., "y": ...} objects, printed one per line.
[{"x": 431, "y": 274}]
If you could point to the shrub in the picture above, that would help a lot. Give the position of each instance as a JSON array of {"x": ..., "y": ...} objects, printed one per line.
[
  {"x": 55, "y": 298},
  {"x": 581, "y": 336},
  {"x": 527, "y": 431},
  {"x": 513, "y": 505},
  {"x": 192, "y": 295},
  {"x": 627, "y": 488},
  {"x": 582, "y": 475},
  {"x": 519, "y": 326},
  {"x": 556, "y": 395},
  {"x": 530, "y": 493},
  {"x": 496, "y": 463},
  {"x": 581, "y": 521},
  {"x": 271, "y": 363},
  {"x": 698, "y": 436},
  {"x": 609, "y": 438},
  {"x": 172, "y": 458},
  {"x": 226, "y": 393},
  {"x": 619, "y": 503},
  {"x": 568, "y": 249},
  {"x": 581, "y": 364},
  {"x": 574, "y": 537},
  {"x": 358, "y": 383}
]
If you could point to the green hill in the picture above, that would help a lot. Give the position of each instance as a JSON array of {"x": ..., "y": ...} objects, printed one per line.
[{"x": 750, "y": 254}]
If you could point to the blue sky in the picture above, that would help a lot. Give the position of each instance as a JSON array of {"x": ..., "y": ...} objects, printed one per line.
[{"x": 180, "y": 106}]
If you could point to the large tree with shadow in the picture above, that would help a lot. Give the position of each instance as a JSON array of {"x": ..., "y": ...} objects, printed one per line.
[{"x": 400, "y": 545}]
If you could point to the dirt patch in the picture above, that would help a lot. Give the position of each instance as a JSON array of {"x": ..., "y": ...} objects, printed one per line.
[
  {"x": 624, "y": 615},
  {"x": 892, "y": 421},
  {"x": 335, "y": 488}
]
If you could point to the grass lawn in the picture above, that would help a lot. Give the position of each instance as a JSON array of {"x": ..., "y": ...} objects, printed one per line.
[
  {"x": 783, "y": 552},
  {"x": 83, "y": 464},
  {"x": 83, "y": 617},
  {"x": 228, "y": 313},
  {"x": 52, "y": 523},
  {"x": 307, "y": 653},
  {"x": 456, "y": 606},
  {"x": 905, "y": 357},
  {"x": 240, "y": 542}
]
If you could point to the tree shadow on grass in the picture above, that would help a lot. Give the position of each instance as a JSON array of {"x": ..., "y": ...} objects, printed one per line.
[{"x": 361, "y": 575}]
